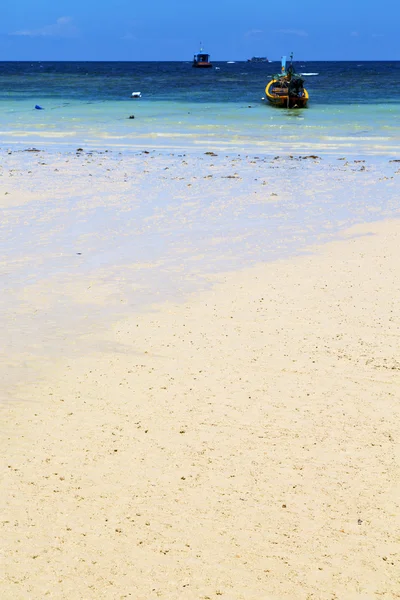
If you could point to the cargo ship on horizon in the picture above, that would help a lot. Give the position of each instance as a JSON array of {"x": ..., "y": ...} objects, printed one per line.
[{"x": 258, "y": 59}]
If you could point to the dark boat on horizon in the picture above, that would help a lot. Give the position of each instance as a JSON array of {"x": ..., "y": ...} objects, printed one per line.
[
  {"x": 262, "y": 59},
  {"x": 202, "y": 60}
]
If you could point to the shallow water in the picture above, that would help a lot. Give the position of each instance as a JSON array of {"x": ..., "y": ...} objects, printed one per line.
[{"x": 88, "y": 104}]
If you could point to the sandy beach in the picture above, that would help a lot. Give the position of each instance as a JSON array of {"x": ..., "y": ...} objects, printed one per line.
[{"x": 225, "y": 429}]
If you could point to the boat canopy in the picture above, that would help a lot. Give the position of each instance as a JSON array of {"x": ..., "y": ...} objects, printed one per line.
[{"x": 202, "y": 57}]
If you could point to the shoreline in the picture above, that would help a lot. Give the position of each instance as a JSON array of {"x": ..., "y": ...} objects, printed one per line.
[
  {"x": 87, "y": 238},
  {"x": 240, "y": 443},
  {"x": 130, "y": 148}
]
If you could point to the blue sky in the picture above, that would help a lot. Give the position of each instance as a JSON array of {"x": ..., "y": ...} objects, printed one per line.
[{"x": 230, "y": 30}]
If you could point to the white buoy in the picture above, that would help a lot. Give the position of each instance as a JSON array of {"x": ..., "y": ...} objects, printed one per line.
[{"x": 136, "y": 94}]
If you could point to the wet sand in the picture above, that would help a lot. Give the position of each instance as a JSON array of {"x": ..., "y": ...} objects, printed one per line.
[
  {"x": 88, "y": 238},
  {"x": 237, "y": 437}
]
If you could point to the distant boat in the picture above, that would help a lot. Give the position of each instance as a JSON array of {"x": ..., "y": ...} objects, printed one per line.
[
  {"x": 202, "y": 60},
  {"x": 287, "y": 88},
  {"x": 258, "y": 59}
]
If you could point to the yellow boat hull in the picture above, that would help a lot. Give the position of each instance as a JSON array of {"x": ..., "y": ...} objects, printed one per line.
[{"x": 283, "y": 99}]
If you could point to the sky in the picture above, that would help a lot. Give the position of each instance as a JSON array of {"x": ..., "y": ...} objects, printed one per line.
[{"x": 228, "y": 29}]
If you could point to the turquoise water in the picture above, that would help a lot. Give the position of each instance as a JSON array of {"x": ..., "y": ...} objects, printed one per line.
[{"x": 354, "y": 107}]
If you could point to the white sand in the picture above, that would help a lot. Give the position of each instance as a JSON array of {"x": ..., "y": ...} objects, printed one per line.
[{"x": 243, "y": 445}]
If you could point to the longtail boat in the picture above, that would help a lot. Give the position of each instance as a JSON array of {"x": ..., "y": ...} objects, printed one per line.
[{"x": 287, "y": 88}]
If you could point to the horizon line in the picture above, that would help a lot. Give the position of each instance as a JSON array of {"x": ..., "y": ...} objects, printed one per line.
[{"x": 189, "y": 60}]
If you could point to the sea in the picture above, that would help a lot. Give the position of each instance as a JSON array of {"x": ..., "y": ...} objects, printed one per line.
[{"x": 354, "y": 107}]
